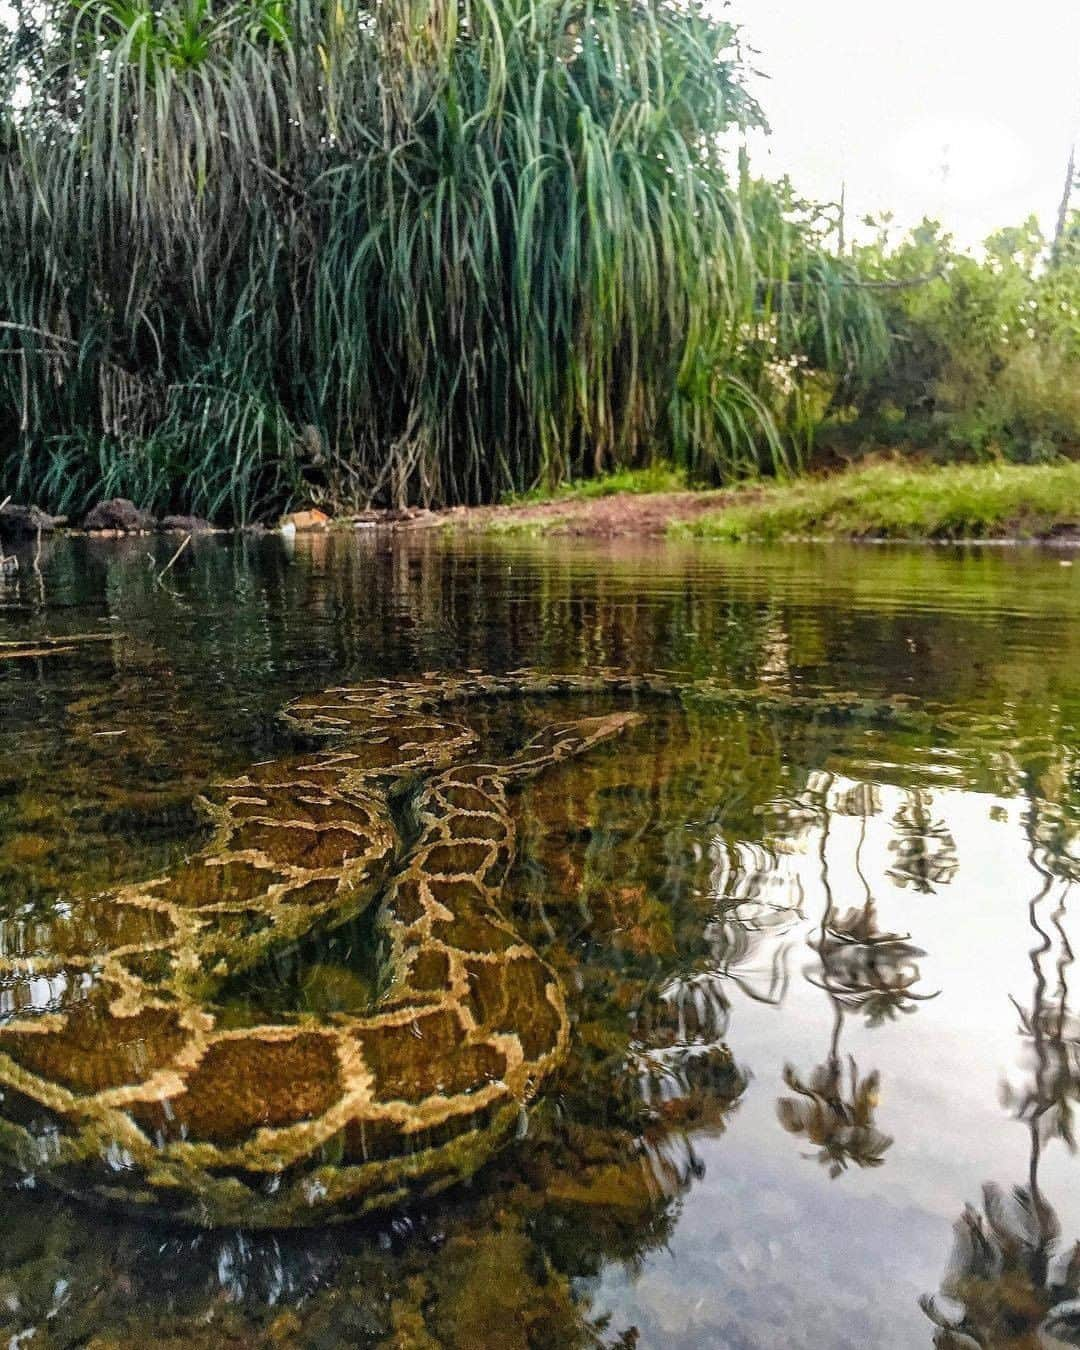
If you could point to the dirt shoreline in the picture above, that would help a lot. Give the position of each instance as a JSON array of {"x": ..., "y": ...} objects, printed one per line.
[
  {"x": 623, "y": 515},
  {"x": 618, "y": 515},
  {"x": 615, "y": 515}
]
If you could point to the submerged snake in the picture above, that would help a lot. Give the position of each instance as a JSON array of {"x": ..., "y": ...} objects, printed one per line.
[{"x": 133, "y": 1086}]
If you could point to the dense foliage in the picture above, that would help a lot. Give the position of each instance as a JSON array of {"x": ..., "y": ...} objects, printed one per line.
[
  {"x": 426, "y": 250},
  {"x": 437, "y": 251},
  {"x": 985, "y": 350}
]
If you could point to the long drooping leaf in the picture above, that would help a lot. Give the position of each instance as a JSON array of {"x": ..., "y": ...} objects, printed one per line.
[{"x": 421, "y": 250}]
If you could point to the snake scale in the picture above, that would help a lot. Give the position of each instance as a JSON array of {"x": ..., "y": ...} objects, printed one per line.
[{"x": 130, "y": 1085}]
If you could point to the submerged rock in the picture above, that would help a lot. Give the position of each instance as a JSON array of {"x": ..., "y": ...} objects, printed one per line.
[
  {"x": 23, "y": 522},
  {"x": 119, "y": 514}
]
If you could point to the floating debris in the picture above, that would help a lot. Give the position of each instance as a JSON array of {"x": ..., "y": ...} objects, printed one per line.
[
  {"x": 48, "y": 646},
  {"x": 17, "y": 653}
]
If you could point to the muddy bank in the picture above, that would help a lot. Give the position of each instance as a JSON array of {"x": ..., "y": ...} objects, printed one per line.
[{"x": 621, "y": 513}]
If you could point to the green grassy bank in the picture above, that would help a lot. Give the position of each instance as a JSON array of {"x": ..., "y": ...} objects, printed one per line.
[
  {"x": 638, "y": 482},
  {"x": 893, "y": 501}
]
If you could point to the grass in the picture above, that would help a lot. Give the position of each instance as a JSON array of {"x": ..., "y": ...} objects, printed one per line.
[
  {"x": 509, "y": 527},
  {"x": 895, "y": 501},
  {"x": 655, "y": 478}
]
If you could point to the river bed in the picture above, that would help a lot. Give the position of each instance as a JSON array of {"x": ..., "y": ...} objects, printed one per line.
[{"x": 816, "y": 927}]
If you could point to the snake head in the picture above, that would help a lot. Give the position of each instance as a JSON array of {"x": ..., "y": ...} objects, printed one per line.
[{"x": 563, "y": 740}]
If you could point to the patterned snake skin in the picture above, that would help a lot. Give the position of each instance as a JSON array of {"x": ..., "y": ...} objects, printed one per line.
[{"x": 141, "y": 1091}]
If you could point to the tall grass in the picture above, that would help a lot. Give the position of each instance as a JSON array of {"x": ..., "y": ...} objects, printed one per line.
[{"x": 417, "y": 251}]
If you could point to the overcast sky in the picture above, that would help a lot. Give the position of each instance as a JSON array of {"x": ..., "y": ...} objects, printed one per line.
[{"x": 959, "y": 109}]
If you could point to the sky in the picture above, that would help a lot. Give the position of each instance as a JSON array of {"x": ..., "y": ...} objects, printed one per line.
[{"x": 963, "y": 110}]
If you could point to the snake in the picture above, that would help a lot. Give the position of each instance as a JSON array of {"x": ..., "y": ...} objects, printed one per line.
[{"x": 126, "y": 1079}]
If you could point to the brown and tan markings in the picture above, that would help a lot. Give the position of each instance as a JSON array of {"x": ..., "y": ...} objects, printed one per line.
[{"x": 131, "y": 1087}]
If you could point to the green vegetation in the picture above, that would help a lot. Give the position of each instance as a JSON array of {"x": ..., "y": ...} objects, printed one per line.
[
  {"x": 985, "y": 352},
  {"x": 262, "y": 251},
  {"x": 900, "y": 501},
  {"x": 637, "y": 482},
  {"x": 410, "y": 253}
]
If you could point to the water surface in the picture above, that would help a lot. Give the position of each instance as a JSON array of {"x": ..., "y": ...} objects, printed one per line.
[{"x": 818, "y": 937}]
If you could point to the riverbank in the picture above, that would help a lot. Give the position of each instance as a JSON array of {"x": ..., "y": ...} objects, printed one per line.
[
  {"x": 893, "y": 501},
  {"x": 879, "y": 501}
]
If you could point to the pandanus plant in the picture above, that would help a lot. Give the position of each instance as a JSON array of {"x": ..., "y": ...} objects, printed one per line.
[{"x": 407, "y": 250}]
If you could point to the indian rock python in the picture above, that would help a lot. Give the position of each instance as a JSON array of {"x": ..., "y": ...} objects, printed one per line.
[{"x": 138, "y": 1090}]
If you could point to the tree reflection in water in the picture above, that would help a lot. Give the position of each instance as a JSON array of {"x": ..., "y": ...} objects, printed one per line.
[
  {"x": 1010, "y": 1282},
  {"x": 924, "y": 849},
  {"x": 862, "y": 969}
]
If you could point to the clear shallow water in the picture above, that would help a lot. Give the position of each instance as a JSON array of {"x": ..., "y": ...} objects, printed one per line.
[{"x": 870, "y": 909}]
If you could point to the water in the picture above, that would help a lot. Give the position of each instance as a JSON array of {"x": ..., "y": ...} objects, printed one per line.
[{"x": 818, "y": 939}]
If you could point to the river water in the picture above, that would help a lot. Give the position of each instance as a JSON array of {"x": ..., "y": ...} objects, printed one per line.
[{"x": 816, "y": 926}]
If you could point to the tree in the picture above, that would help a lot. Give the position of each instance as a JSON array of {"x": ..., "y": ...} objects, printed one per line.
[{"x": 426, "y": 250}]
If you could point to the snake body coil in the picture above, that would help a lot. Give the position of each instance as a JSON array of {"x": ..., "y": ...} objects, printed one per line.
[{"x": 131, "y": 1086}]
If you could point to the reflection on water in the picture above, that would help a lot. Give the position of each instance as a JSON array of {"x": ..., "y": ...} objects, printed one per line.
[
  {"x": 816, "y": 935},
  {"x": 863, "y": 970},
  {"x": 1011, "y": 1280}
]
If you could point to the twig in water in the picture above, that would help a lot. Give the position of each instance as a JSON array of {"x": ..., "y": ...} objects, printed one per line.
[
  {"x": 37, "y": 569},
  {"x": 48, "y": 646},
  {"x": 7, "y": 565},
  {"x": 63, "y": 641},
  {"x": 22, "y": 653},
  {"x": 187, "y": 540}
]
